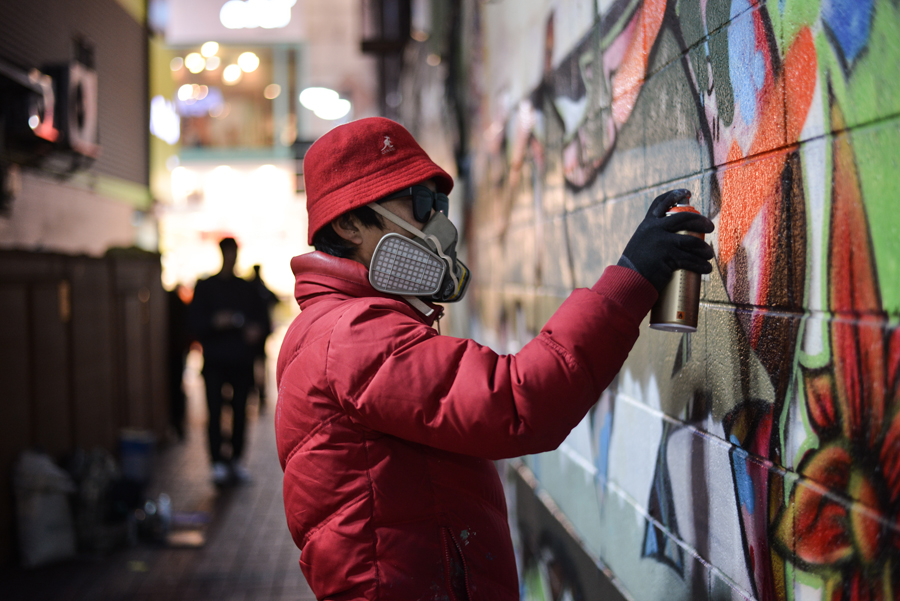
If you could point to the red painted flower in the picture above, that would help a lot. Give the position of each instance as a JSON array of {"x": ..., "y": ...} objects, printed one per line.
[{"x": 843, "y": 517}]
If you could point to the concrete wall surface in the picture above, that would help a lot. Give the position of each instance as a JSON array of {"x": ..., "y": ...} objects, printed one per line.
[{"x": 758, "y": 457}]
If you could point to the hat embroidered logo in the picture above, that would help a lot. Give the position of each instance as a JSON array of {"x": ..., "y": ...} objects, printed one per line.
[{"x": 388, "y": 147}]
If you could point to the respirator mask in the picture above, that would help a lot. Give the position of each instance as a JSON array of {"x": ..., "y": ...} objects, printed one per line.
[{"x": 424, "y": 266}]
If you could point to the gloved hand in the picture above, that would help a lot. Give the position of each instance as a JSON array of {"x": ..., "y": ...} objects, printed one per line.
[{"x": 655, "y": 251}]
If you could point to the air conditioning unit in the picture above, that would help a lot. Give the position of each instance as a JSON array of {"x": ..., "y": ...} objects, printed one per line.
[
  {"x": 75, "y": 86},
  {"x": 49, "y": 118},
  {"x": 27, "y": 106}
]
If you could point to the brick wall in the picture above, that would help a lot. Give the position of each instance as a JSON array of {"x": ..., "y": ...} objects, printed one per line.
[
  {"x": 94, "y": 209},
  {"x": 760, "y": 456},
  {"x": 35, "y": 33}
]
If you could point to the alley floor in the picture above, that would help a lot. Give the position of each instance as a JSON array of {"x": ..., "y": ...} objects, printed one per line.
[{"x": 247, "y": 555}]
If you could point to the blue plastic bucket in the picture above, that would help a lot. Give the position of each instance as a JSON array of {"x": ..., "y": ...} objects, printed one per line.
[{"x": 136, "y": 454}]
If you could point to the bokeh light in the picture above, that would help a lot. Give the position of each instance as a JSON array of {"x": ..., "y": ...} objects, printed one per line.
[
  {"x": 272, "y": 91},
  {"x": 209, "y": 49},
  {"x": 250, "y": 14},
  {"x": 311, "y": 98},
  {"x": 232, "y": 74},
  {"x": 248, "y": 62},
  {"x": 220, "y": 110},
  {"x": 332, "y": 111},
  {"x": 325, "y": 103},
  {"x": 194, "y": 62}
]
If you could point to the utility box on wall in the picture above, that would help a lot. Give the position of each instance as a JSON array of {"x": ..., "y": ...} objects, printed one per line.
[{"x": 82, "y": 355}]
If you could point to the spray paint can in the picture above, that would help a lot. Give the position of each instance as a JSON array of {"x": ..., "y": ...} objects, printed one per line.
[{"x": 678, "y": 306}]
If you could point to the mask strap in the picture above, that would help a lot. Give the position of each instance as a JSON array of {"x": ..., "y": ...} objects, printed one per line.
[
  {"x": 417, "y": 304},
  {"x": 414, "y": 230},
  {"x": 397, "y": 221}
]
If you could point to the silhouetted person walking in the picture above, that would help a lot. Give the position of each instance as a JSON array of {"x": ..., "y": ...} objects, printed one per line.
[
  {"x": 179, "y": 344},
  {"x": 259, "y": 364},
  {"x": 229, "y": 319}
]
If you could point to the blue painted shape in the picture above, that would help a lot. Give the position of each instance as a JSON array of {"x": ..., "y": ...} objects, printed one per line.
[
  {"x": 741, "y": 478},
  {"x": 651, "y": 545},
  {"x": 850, "y": 22},
  {"x": 661, "y": 508},
  {"x": 746, "y": 62}
]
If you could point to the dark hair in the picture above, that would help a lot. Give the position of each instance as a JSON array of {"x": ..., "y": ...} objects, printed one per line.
[
  {"x": 326, "y": 240},
  {"x": 229, "y": 243}
]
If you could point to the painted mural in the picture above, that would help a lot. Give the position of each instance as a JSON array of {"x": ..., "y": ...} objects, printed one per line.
[{"x": 760, "y": 456}]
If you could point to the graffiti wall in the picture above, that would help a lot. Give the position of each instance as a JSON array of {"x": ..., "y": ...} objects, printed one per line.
[{"x": 760, "y": 456}]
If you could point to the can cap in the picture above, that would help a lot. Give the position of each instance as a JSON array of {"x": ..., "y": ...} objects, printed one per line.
[{"x": 681, "y": 208}]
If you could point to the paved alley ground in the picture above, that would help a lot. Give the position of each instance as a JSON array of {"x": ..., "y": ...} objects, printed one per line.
[{"x": 248, "y": 553}]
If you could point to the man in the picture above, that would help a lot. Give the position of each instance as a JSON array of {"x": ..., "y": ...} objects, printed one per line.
[
  {"x": 270, "y": 299},
  {"x": 179, "y": 345},
  {"x": 386, "y": 429},
  {"x": 229, "y": 319}
]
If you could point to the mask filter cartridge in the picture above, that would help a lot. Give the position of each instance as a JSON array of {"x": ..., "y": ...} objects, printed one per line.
[{"x": 401, "y": 266}]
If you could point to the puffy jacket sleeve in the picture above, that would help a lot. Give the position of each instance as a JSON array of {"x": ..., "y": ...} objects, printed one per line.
[{"x": 403, "y": 379}]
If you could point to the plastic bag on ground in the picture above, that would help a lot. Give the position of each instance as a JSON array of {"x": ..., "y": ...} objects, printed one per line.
[{"x": 45, "y": 526}]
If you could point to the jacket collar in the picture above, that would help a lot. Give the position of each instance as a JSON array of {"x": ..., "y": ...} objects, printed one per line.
[{"x": 318, "y": 275}]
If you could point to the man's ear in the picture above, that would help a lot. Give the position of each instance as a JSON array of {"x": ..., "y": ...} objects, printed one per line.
[{"x": 347, "y": 228}]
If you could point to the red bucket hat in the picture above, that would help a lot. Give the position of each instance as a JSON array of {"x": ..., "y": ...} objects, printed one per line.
[{"x": 358, "y": 163}]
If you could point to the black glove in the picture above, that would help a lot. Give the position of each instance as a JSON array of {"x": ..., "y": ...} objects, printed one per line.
[{"x": 655, "y": 251}]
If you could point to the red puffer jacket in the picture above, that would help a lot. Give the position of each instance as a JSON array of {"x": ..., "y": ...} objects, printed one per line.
[{"x": 386, "y": 430}]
